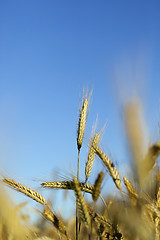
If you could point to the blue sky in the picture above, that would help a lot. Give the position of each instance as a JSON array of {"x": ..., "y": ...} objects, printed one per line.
[{"x": 49, "y": 51}]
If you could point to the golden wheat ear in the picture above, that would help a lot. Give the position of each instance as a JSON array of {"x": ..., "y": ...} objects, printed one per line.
[
  {"x": 82, "y": 208},
  {"x": 110, "y": 166},
  {"x": 133, "y": 195},
  {"x": 68, "y": 185},
  {"x": 95, "y": 139},
  {"x": 91, "y": 156},
  {"x": 82, "y": 123},
  {"x": 59, "y": 225},
  {"x": 97, "y": 186},
  {"x": 25, "y": 190},
  {"x": 149, "y": 162},
  {"x": 83, "y": 115}
]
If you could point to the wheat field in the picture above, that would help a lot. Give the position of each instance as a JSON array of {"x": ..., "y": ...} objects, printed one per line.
[{"x": 134, "y": 214}]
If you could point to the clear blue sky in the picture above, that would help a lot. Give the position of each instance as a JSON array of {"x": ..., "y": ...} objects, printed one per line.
[{"x": 49, "y": 51}]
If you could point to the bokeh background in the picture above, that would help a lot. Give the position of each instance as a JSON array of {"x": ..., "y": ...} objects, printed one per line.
[{"x": 50, "y": 51}]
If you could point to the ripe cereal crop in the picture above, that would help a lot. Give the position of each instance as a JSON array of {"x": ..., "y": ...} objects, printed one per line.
[{"x": 131, "y": 213}]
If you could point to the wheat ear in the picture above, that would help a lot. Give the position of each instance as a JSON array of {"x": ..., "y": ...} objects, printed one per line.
[
  {"x": 69, "y": 185},
  {"x": 91, "y": 156},
  {"x": 97, "y": 186},
  {"x": 25, "y": 190},
  {"x": 80, "y": 134},
  {"x": 149, "y": 161},
  {"x": 98, "y": 218},
  {"x": 48, "y": 214},
  {"x": 82, "y": 208},
  {"x": 82, "y": 123},
  {"x": 110, "y": 166},
  {"x": 130, "y": 188}
]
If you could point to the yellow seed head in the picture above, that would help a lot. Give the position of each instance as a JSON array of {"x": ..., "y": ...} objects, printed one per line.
[
  {"x": 91, "y": 156},
  {"x": 97, "y": 186},
  {"x": 82, "y": 123}
]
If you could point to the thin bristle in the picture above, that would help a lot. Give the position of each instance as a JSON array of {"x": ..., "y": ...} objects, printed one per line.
[
  {"x": 110, "y": 166},
  {"x": 25, "y": 190},
  {"x": 97, "y": 186},
  {"x": 91, "y": 156},
  {"x": 82, "y": 123},
  {"x": 82, "y": 208}
]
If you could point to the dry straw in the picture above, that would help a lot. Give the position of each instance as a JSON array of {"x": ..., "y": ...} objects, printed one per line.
[{"x": 25, "y": 190}]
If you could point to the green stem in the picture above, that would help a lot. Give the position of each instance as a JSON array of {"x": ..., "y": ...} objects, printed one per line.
[{"x": 78, "y": 166}]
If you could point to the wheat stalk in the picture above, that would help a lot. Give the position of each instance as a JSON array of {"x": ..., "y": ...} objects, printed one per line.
[{"x": 80, "y": 135}]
